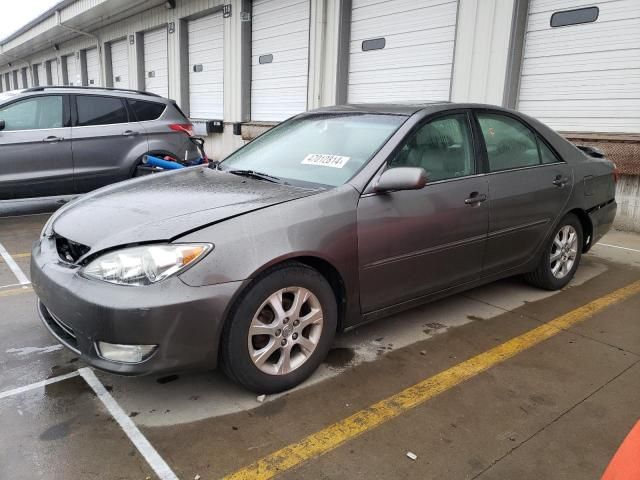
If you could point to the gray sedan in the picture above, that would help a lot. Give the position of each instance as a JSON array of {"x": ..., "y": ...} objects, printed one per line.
[{"x": 335, "y": 217}]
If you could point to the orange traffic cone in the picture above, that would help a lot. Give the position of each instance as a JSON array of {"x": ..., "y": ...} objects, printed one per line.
[{"x": 625, "y": 464}]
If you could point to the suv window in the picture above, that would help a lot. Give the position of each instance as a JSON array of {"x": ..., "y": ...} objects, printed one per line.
[
  {"x": 145, "y": 111},
  {"x": 34, "y": 113},
  {"x": 510, "y": 143},
  {"x": 442, "y": 147},
  {"x": 94, "y": 110}
]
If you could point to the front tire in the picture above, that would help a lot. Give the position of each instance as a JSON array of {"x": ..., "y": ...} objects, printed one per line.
[
  {"x": 561, "y": 256},
  {"x": 280, "y": 329}
]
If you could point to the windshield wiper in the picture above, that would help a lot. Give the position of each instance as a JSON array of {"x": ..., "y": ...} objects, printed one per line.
[{"x": 254, "y": 174}]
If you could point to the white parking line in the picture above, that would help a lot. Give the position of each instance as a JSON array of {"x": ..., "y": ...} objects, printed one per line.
[
  {"x": 13, "y": 266},
  {"x": 13, "y": 285},
  {"x": 155, "y": 461},
  {"x": 616, "y": 246},
  {"x": 41, "y": 384}
]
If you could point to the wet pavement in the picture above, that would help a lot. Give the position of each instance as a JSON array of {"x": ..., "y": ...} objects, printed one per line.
[{"x": 557, "y": 410}]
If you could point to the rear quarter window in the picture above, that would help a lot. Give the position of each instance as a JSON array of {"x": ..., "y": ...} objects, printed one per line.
[{"x": 145, "y": 111}]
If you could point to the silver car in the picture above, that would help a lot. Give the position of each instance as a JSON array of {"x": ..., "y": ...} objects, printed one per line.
[{"x": 68, "y": 140}]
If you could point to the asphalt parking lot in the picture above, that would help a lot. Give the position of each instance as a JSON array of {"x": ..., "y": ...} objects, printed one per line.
[{"x": 504, "y": 381}]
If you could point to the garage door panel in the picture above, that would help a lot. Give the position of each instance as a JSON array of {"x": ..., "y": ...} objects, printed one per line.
[
  {"x": 412, "y": 39},
  {"x": 298, "y": 56},
  {"x": 583, "y": 77},
  {"x": 398, "y": 92},
  {"x": 415, "y": 74},
  {"x": 568, "y": 41},
  {"x": 596, "y": 85},
  {"x": 411, "y": 21},
  {"x": 279, "y": 87},
  {"x": 73, "y": 77},
  {"x": 156, "y": 61},
  {"x": 120, "y": 63},
  {"x": 206, "y": 50},
  {"x": 366, "y": 10},
  {"x": 279, "y": 12},
  {"x": 555, "y": 5},
  {"x": 93, "y": 67},
  {"x": 275, "y": 44},
  {"x": 587, "y": 62},
  {"x": 618, "y": 10},
  {"x": 416, "y": 61},
  {"x": 388, "y": 59}
]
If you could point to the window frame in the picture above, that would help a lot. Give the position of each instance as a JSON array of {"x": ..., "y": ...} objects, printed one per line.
[
  {"x": 537, "y": 136},
  {"x": 74, "y": 110},
  {"x": 66, "y": 111},
  {"x": 475, "y": 145}
]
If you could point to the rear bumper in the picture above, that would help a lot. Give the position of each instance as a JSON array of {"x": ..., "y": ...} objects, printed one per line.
[
  {"x": 602, "y": 219},
  {"x": 185, "y": 322}
]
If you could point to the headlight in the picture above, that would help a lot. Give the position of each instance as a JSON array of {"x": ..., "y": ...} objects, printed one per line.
[{"x": 144, "y": 265}]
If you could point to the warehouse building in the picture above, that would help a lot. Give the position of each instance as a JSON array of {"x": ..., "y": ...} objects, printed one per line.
[{"x": 250, "y": 64}]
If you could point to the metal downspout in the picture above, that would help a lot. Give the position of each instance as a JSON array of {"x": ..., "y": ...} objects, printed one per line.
[{"x": 91, "y": 35}]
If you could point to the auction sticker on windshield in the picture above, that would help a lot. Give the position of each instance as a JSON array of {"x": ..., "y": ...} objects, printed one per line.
[{"x": 335, "y": 161}]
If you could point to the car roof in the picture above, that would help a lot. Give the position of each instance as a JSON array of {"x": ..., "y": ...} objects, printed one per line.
[
  {"x": 120, "y": 92},
  {"x": 403, "y": 108}
]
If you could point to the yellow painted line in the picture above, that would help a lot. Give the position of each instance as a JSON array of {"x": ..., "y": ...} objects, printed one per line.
[
  {"x": 15, "y": 291},
  {"x": 21, "y": 255},
  {"x": 351, "y": 427}
]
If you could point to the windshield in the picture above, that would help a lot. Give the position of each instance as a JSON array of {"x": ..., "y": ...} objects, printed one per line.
[{"x": 325, "y": 149}]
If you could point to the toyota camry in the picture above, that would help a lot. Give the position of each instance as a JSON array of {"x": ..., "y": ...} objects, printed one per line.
[{"x": 333, "y": 218}]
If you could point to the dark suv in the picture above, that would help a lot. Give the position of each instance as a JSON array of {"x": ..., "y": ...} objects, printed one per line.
[{"x": 67, "y": 140}]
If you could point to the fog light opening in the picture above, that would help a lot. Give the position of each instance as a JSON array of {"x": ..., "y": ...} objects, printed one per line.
[{"x": 115, "y": 352}]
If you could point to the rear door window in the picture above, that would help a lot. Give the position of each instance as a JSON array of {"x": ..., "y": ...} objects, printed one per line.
[
  {"x": 145, "y": 111},
  {"x": 37, "y": 113},
  {"x": 94, "y": 110},
  {"x": 510, "y": 144}
]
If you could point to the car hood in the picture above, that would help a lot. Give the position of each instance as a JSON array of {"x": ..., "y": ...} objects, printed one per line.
[{"x": 165, "y": 206}]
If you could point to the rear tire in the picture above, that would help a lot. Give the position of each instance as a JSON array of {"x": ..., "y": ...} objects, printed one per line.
[
  {"x": 280, "y": 329},
  {"x": 561, "y": 256}
]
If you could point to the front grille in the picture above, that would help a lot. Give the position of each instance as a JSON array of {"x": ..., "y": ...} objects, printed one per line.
[
  {"x": 60, "y": 329},
  {"x": 70, "y": 251}
]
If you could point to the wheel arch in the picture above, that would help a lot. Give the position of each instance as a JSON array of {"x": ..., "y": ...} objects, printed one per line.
[
  {"x": 326, "y": 269},
  {"x": 587, "y": 228}
]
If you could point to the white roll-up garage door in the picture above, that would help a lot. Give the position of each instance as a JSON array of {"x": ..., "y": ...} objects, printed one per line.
[
  {"x": 42, "y": 74},
  {"x": 206, "y": 74},
  {"x": 280, "y": 58},
  {"x": 53, "y": 68},
  {"x": 93, "y": 68},
  {"x": 582, "y": 76},
  {"x": 120, "y": 64},
  {"x": 156, "y": 63},
  {"x": 401, "y": 50},
  {"x": 73, "y": 75}
]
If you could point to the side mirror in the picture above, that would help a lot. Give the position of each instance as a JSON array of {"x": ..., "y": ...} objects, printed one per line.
[
  {"x": 401, "y": 178},
  {"x": 2, "y": 124}
]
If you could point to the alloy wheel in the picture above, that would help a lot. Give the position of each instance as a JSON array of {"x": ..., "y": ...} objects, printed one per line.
[
  {"x": 285, "y": 330},
  {"x": 564, "y": 251}
]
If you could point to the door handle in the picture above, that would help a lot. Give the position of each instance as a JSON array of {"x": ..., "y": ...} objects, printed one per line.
[
  {"x": 475, "y": 198},
  {"x": 53, "y": 139},
  {"x": 130, "y": 133},
  {"x": 560, "y": 181}
]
